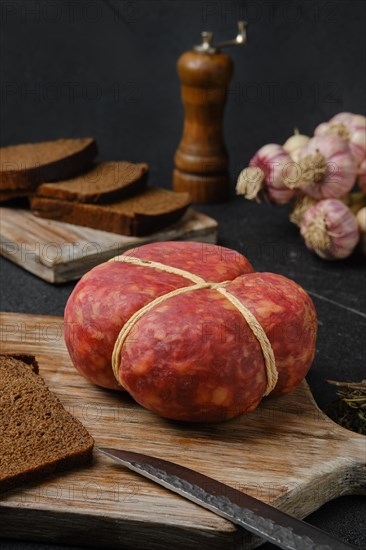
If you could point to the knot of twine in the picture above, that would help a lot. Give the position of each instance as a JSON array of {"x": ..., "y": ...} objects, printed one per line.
[{"x": 199, "y": 284}]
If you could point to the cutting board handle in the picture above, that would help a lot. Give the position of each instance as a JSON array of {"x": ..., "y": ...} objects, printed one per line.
[{"x": 343, "y": 471}]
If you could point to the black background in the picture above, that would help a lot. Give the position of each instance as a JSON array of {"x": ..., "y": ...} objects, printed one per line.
[{"x": 107, "y": 69}]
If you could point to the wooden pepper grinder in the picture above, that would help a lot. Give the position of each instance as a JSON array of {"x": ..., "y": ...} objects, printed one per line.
[{"x": 201, "y": 160}]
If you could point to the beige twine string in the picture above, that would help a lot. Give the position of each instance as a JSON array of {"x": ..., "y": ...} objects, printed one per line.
[
  {"x": 161, "y": 267},
  {"x": 257, "y": 329},
  {"x": 255, "y": 326}
]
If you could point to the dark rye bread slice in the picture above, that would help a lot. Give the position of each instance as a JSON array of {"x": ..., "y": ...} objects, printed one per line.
[
  {"x": 23, "y": 167},
  {"x": 37, "y": 435},
  {"x": 139, "y": 215},
  {"x": 105, "y": 182}
]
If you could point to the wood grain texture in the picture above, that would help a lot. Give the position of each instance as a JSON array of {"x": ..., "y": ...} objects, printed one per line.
[
  {"x": 58, "y": 252},
  {"x": 287, "y": 453},
  {"x": 201, "y": 160}
]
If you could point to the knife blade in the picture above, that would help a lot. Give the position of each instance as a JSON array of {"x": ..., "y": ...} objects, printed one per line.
[{"x": 256, "y": 516}]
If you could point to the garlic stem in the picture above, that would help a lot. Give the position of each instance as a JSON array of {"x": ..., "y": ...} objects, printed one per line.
[
  {"x": 316, "y": 234},
  {"x": 313, "y": 168},
  {"x": 250, "y": 182},
  {"x": 302, "y": 204}
]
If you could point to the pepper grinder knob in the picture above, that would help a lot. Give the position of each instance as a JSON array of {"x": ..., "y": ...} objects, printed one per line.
[
  {"x": 206, "y": 45},
  {"x": 201, "y": 160}
]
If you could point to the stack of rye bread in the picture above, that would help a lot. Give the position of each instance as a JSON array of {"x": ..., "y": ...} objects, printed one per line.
[
  {"x": 63, "y": 183},
  {"x": 38, "y": 435}
]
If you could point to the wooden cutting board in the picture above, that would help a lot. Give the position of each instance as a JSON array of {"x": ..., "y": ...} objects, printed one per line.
[
  {"x": 58, "y": 252},
  {"x": 287, "y": 453}
]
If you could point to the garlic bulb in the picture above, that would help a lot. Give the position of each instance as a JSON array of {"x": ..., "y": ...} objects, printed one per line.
[
  {"x": 362, "y": 176},
  {"x": 330, "y": 229},
  {"x": 295, "y": 143},
  {"x": 266, "y": 172},
  {"x": 326, "y": 168},
  {"x": 349, "y": 127}
]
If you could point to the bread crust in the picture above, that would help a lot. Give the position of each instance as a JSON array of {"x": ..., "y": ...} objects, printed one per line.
[
  {"x": 38, "y": 436},
  {"x": 125, "y": 217},
  {"x": 22, "y": 167},
  {"x": 103, "y": 183}
]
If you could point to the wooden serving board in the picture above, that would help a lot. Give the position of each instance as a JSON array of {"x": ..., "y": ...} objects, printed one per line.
[
  {"x": 59, "y": 252},
  {"x": 287, "y": 453}
]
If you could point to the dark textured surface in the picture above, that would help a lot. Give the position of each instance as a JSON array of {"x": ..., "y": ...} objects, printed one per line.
[{"x": 107, "y": 69}]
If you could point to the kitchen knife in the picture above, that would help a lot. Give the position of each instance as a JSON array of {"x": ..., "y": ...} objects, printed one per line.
[{"x": 259, "y": 518}]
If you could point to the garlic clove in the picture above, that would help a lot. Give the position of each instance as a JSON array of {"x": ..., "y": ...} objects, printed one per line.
[
  {"x": 321, "y": 129},
  {"x": 295, "y": 143}
]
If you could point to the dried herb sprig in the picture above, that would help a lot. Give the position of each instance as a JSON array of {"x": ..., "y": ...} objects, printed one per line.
[{"x": 349, "y": 410}]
